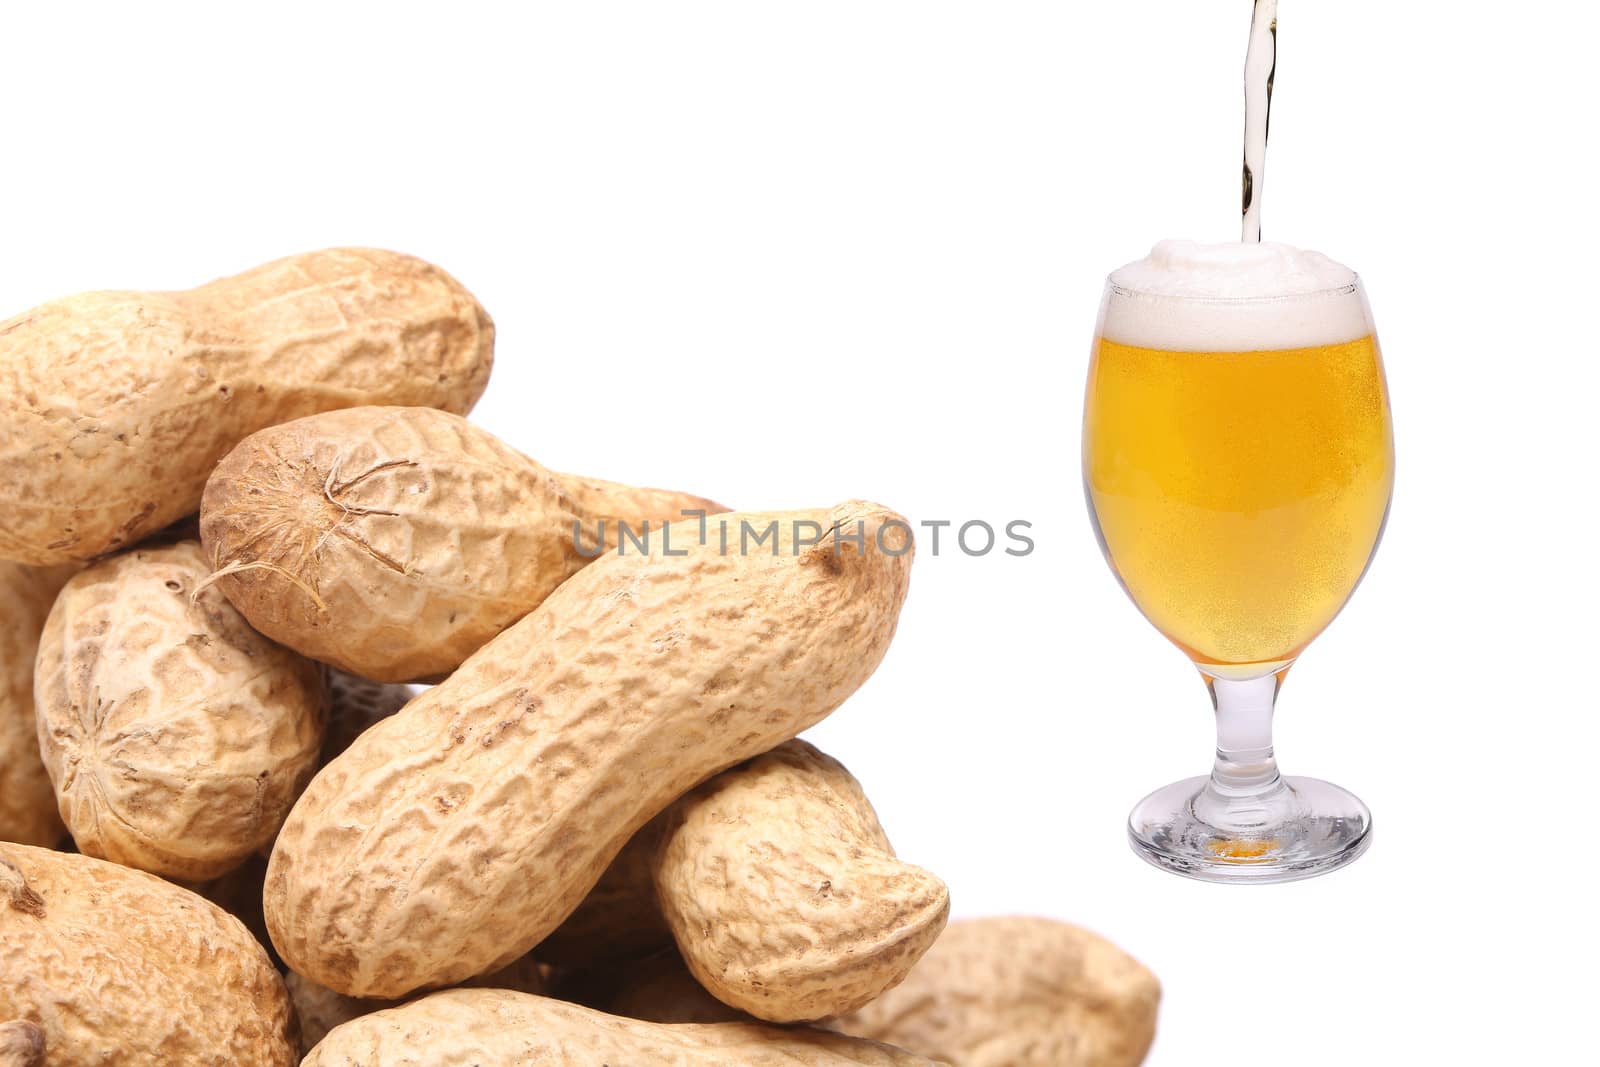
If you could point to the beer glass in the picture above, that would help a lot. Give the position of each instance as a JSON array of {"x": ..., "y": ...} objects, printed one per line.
[{"x": 1238, "y": 460}]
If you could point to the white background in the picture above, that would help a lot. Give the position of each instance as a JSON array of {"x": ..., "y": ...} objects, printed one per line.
[{"x": 787, "y": 254}]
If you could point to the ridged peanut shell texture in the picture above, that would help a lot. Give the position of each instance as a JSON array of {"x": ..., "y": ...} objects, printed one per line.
[
  {"x": 499, "y": 1028},
  {"x": 779, "y": 887},
  {"x": 633, "y": 504},
  {"x": 27, "y": 802},
  {"x": 784, "y": 895},
  {"x": 395, "y": 542},
  {"x": 452, "y": 837},
  {"x": 1019, "y": 992},
  {"x": 115, "y": 406},
  {"x": 118, "y": 968},
  {"x": 176, "y": 737}
]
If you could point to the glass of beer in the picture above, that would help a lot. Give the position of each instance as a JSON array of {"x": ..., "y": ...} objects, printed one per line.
[{"x": 1238, "y": 460}]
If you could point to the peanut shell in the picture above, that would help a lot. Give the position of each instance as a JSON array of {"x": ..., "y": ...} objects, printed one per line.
[
  {"x": 500, "y": 1028},
  {"x": 778, "y": 886},
  {"x": 634, "y": 504},
  {"x": 27, "y": 803},
  {"x": 785, "y": 896},
  {"x": 118, "y": 968},
  {"x": 454, "y": 836},
  {"x": 1019, "y": 992},
  {"x": 395, "y": 542},
  {"x": 176, "y": 737},
  {"x": 115, "y": 406}
]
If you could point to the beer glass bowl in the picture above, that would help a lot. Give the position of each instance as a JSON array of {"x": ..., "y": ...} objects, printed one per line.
[{"x": 1238, "y": 462}]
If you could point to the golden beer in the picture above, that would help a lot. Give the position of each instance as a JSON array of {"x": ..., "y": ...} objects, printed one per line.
[{"x": 1238, "y": 495}]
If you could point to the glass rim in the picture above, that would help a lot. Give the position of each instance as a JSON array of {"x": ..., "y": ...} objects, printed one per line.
[{"x": 1346, "y": 289}]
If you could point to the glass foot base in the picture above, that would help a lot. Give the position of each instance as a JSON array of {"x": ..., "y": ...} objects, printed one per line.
[{"x": 1298, "y": 828}]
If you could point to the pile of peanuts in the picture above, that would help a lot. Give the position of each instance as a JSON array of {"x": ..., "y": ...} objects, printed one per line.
[{"x": 336, "y": 731}]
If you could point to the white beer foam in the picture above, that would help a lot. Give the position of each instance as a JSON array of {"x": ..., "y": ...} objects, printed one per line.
[{"x": 1235, "y": 297}]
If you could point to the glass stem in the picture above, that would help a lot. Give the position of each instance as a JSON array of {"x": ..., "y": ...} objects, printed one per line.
[{"x": 1245, "y": 766}]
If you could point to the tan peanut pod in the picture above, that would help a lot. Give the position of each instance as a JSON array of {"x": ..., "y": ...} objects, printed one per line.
[
  {"x": 118, "y": 404},
  {"x": 500, "y": 1028},
  {"x": 118, "y": 968},
  {"x": 454, "y": 836},
  {"x": 395, "y": 542},
  {"x": 784, "y": 894},
  {"x": 21, "y": 1044},
  {"x": 1019, "y": 992},
  {"x": 320, "y": 1009},
  {"x": 355, "y": 705},
  {"x": 634, "y": 504},
  {"x": 27, "y": 803},
  {"x": 779, "y": 887},
  {"x": 176, "y": 737}
]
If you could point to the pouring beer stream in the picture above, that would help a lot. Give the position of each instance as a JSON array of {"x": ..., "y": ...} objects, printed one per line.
[{"x": 1261, "y": 62}]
